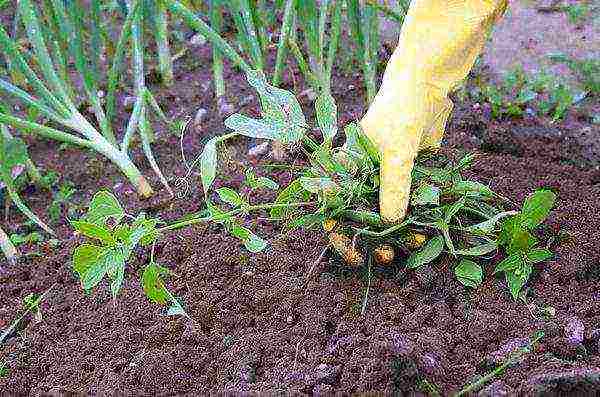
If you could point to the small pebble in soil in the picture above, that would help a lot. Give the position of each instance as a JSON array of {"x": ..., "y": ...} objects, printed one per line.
[
  {"x": 325, "y": 373},
  {"x": 200, "y": 116},
  {"x": 225, "y": 108},
  {"x": 574, "y": 330}
]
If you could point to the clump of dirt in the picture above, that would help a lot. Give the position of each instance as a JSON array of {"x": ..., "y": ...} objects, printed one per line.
[{"x": 260, "y": 326}]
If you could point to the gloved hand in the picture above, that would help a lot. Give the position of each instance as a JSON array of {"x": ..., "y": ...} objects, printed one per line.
[{"x": 438, "y": 45}]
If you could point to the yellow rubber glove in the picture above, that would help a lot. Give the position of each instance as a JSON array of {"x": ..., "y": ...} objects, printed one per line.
[{"x": 438, "y": 45}]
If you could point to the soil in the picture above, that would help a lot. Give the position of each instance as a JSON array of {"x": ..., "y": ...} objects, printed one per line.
[{"x": 259, "y": 326}]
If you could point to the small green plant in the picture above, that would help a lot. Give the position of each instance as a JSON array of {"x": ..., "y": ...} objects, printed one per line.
[
  {"x": 19, "y": 239},
  {"x": 114, "y": 241},
  {"x": 61, "y": 199},
  {"x": 587, "y": 71},
  {"x": 450, "y": 216},
  {"x": 518, "y": 92},
  {"x": 577, "y": 13},
  {"x": 31, "y": 310}
]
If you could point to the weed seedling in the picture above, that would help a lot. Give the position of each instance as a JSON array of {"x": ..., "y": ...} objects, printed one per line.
[
  {"x": 114, "y": 241},
  {"x": 20, "y": 239},
  {"x": 61, "y": 199},
  {"x": 31, "y": 307}
]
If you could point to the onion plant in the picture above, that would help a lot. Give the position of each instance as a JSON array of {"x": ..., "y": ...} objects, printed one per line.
[
  {"x": 50, "y": 89},
  {"x": 159, "y": 24}
]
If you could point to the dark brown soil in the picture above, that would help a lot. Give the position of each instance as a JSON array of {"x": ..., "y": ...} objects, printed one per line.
[{"x": 259, "y": 327}]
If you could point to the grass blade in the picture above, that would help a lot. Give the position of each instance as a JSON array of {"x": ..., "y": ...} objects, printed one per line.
[
  {"x": 114, "y": 74},
  {"x": 216, "y": 22},
  {"x": 161, "y": 35},
  {"x": 140, "y": 89},
  {"x": 200, "y": 26},
  {"x": 34, "y": 33},
  {"x": 10, "y": 49},
  {"x": 12, "y": 193},
  {"x": 73, "y": 23},
  {"x": 284, "y": 36},
  {"x": 334, "y": 39}
]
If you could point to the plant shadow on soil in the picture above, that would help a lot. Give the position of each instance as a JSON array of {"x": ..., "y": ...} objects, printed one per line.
[{"x": 260, "y": 327}]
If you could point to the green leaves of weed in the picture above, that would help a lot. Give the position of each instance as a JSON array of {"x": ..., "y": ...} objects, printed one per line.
[
  {"x": 113, "y": 242},
  {"x": 521, "y": 246}
]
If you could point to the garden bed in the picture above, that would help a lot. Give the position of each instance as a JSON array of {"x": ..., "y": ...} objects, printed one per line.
[{"x": 258, "y": 324}]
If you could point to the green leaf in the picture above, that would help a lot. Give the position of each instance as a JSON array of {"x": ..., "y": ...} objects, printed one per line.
[
  {"x": 472, "y": 189},
  {"x": 509, "y": 226},
  {"x": 216, "y": 214},
  {"x": 85, "y": 256},
  {"x": 116, "y": 273},
  {"x": 305, "y": 221},
  {"x": 142, "y": 231},
  {"x": 428, "y": 253},
  {"x": 368, "y": 145},
  {"x": 230, "y": 196},
  {"x": 509, "y": 264},
  {"x": 104, "y": 205},
  {"x": 352, "y": 146},
  {"x": 252, "y": 128},
  {"x": 95, "y": 273},
  {"x": 318, "y": 185},
  {"x": 153, "y": 284},
  {"x": 208, "y": 164},
  {"x": 452, "y": 209},
  {"x": 291, "y": 192},
  {"x": 469, "y": 273},
  {"x": 96, "y": 231},
  {"x": 280, "y": 109},
  {"x": 537, "y": 208},
  {"x": 479, "y": 250},
  {"x": 267, "y": 183},
  {"x": 538, "y": 255},
  {"x": 255, "y": 244},
  {"x": 521, "y": 241},
  {"x": 488, "y": 226},
  {"x": 13, "y": 152},
  {"x": 326, "y": 110},
  {"x": 251, "y": 179},
  {"x": 252, "y": 242},
  {"x": 517, "y": 279},
  {"x": 426, "y": 194}
]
